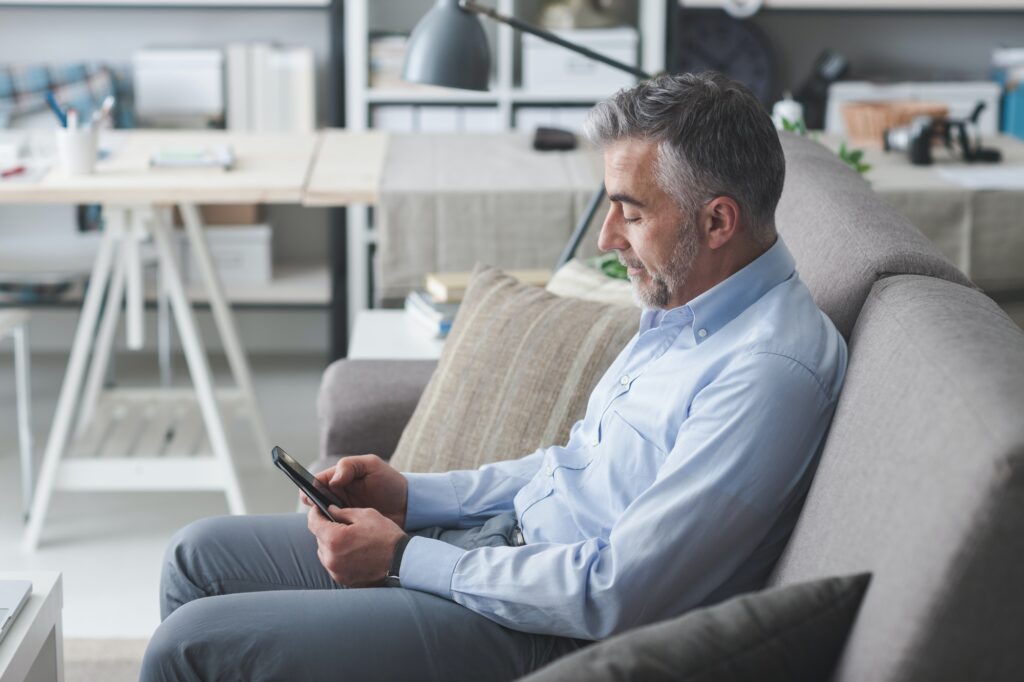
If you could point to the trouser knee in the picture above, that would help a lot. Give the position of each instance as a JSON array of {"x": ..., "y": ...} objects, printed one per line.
[
  {"x": 172, "y": 652},
  {"x": 181, "y": 579}
]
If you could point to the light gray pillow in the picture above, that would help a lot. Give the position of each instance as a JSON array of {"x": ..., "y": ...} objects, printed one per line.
[{"x": 786, "y": 633}]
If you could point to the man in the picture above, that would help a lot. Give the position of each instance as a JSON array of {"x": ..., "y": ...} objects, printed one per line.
[{"x": 678, "y": 488}]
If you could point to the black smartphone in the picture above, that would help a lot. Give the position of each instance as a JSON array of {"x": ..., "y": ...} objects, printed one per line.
[{"x": 316, "y": 491}]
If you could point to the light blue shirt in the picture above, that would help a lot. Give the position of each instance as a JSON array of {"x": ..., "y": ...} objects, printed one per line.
[{"x": 678, "y": 488}]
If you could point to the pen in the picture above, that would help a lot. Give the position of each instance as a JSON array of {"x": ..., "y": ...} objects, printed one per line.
[
  {"x": 58, "y": 112},
  {"x": 8, "y": 172}
]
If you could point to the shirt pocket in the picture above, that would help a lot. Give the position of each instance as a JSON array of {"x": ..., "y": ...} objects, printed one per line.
[{"x": 626, "y": 464}]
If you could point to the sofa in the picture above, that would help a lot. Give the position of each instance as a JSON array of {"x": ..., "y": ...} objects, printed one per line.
[{"x": 920, "y": 480}]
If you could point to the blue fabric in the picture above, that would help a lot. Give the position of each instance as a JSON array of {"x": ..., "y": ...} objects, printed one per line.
[
  {"x": 678, "y": 488},
  {"x": 81, "y": 86}
]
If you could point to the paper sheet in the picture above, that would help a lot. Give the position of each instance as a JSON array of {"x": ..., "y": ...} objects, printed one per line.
[{"x": 985, "y": 177}]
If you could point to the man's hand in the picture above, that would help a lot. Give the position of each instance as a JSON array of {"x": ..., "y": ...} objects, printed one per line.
[
  {"x": 367, "y": 481},
  {"x": 358, "y": 549}
]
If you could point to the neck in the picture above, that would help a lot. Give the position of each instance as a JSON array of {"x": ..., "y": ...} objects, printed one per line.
[{"x": 714, "y": 266}]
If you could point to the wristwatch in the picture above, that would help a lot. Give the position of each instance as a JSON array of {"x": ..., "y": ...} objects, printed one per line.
[{"x": 391, "y": 578}]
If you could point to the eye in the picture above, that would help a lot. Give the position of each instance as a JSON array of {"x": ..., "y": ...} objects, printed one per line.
[{"x": 629, "y": 219}]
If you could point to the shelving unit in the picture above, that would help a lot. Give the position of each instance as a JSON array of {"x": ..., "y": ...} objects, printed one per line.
[{"x": 505, "y": 96}]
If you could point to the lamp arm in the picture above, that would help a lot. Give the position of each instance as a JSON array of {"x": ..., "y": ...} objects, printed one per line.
[{"x": 473, "y": 6}]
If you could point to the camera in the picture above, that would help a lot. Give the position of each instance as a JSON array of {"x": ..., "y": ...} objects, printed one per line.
[{"x": 916, "y": 139}]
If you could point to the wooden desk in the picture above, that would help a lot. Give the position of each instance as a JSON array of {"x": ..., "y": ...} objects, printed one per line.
[
  {"x": 153, "y": 439},
  {"x": 33, "y": 649}
]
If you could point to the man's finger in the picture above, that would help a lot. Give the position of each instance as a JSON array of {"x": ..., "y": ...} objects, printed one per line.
[
  {"x": 304, "y": 499},
  {"x": 343, "y": 515}
]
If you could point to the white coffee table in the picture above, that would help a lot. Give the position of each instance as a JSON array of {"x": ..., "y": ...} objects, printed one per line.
[
  {"x": 33, "y": 649},
  {"x": 390, "y": 335}
]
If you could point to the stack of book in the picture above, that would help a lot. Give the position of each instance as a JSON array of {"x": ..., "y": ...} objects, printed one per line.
[
  {"x": 435, "y": 306},
  {"x": 434, "y": 317}
]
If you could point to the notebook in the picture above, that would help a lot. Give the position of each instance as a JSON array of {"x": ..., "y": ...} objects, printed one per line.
[{"x": 13, "y": 595}]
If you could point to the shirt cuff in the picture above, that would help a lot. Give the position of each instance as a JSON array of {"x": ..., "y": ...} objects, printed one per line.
[
  {"x": 428, "y": 566},
  {"x": 432, "y": 501}
]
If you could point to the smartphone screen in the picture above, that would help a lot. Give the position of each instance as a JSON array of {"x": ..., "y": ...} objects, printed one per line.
[{"x": 319, "y": 493}]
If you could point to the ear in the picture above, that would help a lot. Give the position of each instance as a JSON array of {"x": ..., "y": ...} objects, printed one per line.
[{"x": 720, "y": 220}]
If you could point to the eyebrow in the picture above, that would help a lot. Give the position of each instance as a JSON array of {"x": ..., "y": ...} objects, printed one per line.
[{"x": 625, "y": 199}]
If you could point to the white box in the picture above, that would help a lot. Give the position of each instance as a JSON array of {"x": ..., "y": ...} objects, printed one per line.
[
  {"x": 241, "y": 254},
  {"x": 481, "y": 119},
  {"x": 439, "y": 119},
  {"x": 531, "y": 118},
  {"x": 397, "y": 118},
  {"x": 961, "y": 97},
  {"x": 552, "y": 69},
  {"x": 181, "y": 82}
]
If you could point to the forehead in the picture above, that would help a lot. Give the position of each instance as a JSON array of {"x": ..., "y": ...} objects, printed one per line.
[
  {"x": 630, "y": 155},
  {"x": 629, "y": 168}
]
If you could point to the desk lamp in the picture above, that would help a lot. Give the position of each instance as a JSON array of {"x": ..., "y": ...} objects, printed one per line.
[{"x": 448, "y": 48}]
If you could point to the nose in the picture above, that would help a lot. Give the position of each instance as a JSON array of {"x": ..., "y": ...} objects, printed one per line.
[{"x": 611, "y": 237}]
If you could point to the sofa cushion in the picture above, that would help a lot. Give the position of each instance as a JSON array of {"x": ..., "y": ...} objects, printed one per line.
[
  {"x": 843, "y": 236},
  {"x": 783, "y": 634},
  {"x": 515, "y": 374},
  {"x": 579, "y": 280},
  {"x": 921, "y": 482}
]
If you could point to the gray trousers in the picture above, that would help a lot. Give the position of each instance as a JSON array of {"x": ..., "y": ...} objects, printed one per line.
[{"x": 245, "y": 598}]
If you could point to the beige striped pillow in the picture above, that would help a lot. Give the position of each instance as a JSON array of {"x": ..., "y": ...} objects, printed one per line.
[{"x": 515, "y": 374}]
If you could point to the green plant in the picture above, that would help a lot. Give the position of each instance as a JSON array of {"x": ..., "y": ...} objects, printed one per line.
[
  {"x": 609, "y": 264},
  {"x": 797, "y": 127},
  {"x": 853, "y": 157}
]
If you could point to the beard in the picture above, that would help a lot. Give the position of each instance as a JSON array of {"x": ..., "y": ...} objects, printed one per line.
[{"x": 657, "y": 289}]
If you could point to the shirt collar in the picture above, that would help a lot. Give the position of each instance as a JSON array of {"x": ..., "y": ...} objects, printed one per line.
[{"x": 720, "y": 304}]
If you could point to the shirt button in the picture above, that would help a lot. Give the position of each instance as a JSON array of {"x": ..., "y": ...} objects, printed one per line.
[
  {"x": 596, "y": 442},
  {"x": 551, "y": 470},
  {"x": 702, "y": 333},
  {"x": 624, "y": 380}
]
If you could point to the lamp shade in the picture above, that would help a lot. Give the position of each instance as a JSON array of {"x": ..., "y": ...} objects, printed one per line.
[{"x": 448, "y": 47}]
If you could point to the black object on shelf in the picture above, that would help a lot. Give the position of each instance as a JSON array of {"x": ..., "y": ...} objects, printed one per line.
[
  {"x": 553, "y": 139},
  {"x": 813, "y": 94}
]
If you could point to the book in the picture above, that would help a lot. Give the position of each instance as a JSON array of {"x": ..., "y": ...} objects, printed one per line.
[
  {"x": 450, "y": 287},
  {"x": 436, "y": 318},
  {"x": 211, "y": 156}
]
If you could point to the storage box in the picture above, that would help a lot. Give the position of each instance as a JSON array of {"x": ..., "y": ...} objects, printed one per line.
[
  {"x": 241, "y": 254},
  {"x": 552, "y": 69},
  {"x": 226, "y": 214},
  {"x": 179, "y": 82}
]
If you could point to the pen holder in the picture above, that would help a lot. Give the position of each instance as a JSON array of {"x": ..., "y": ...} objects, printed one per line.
[{"x": 76, "y": 149}]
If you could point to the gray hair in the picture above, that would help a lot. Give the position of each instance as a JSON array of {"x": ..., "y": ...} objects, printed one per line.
[{"x": 714, "y": 139}]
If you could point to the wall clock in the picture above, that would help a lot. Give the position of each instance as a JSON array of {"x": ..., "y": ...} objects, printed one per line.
[{"x": 715, "y": 41}]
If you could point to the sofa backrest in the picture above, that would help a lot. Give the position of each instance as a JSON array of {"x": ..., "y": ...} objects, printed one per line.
[
  {"x": 921, "y": 482},
  {"x": 843, "y": 236}
]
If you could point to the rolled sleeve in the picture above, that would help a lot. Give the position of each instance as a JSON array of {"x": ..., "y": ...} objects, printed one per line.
[
  {"x": 428, "y": 566},
  {"x": 432, "y": 501}
]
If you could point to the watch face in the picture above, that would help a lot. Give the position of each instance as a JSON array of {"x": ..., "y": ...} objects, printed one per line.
[{"x": 714, "y": 41}]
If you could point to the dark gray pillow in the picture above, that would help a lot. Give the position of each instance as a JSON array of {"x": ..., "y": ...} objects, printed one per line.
[{"x": 785, "y": 633}]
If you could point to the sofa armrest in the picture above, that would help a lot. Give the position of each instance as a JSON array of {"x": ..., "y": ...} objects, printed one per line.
[{"x": 363, "y": 405}]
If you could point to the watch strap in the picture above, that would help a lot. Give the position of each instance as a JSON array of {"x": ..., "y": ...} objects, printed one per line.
[{"x": 391, "y": 579}]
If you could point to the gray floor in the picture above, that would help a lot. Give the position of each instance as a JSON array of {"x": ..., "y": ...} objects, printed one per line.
[{"x": 109, "y": 545}]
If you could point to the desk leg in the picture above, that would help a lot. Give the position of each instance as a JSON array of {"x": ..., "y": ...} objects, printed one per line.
[
  {"x": 104, "y": 343},
  {"x": 71, "y": 388},
  {"x": 195, "y": 355},
  {"x": 49, "y": 663},
  {"x": 225, "y": 325},
  {"x": 22, "y": 386}
]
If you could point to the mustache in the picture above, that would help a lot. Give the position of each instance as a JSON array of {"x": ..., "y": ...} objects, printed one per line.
[{"x": 629, "y": 263}]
